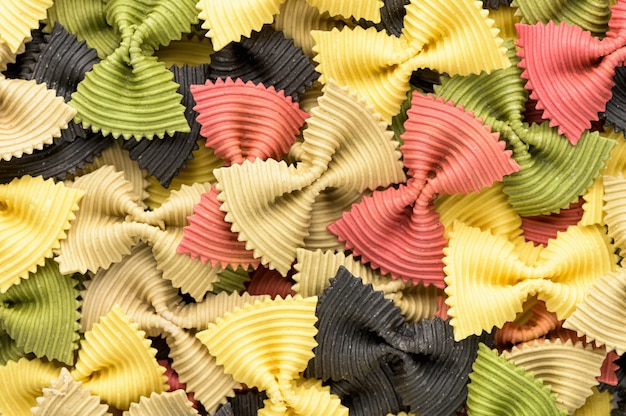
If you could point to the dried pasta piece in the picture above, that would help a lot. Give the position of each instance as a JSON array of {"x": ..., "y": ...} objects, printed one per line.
[
  {"x": 592, "y": 16},
  {"x": 36, "y": 213},
  {"x": 391, "y": 17},
  {"x": 505, "y": 19},
  {"x": 488, "y": 278},
  {"x": 569, "y": 369},
  {"x": 367, "y": 9},
  {"x": 499, "y": 99},
  {"x": 598, "y": 317},
  {"x": 163, "y": 404},
  {"x": 259, "y": 352},
  {"x": 8, "y": 349},
  {"x": 62, "y": 77},
  {"x": 141, "y": 96},
  {"x": 378, "y": 363},
  {"x": 23, "y": 126},
  {"x": 116, "y": 362},
  {"x": 500, "y": 387},
  {"x": 67, "y": 397},
  {"x": 246, "y": 121},
  {"x": 164, "y": 158},
  {"x": 267, "y": 58},
  {"x": 378, "y": 67},
  {"x": 316, "y": 268},
  {"x": 571, "y": 65},
  {"x": 269, "y": 203},
  {"x": 111, "y": 210},
  {"x": 404, "y": 236},
  {"x": 18, "y": 18},
  {"x": 22, "y": 382},
  {"x": 41, "y": 314}
]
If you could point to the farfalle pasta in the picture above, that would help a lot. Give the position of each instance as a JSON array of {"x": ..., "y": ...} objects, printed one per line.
[
  {"x": 571, "y": 65},
  {"x": 355, "y": 57},
  {"x": 404, "y": 236},
  {"x": 279, "y": 197}
]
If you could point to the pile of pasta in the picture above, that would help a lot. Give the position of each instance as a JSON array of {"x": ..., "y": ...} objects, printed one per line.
[{"x": 310, "y": 207}]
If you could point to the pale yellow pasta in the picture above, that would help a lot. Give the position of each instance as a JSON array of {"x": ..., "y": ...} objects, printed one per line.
[
  {"x": 22, "y": 382},
  {"x": 164, "y": 404},
  {"x": 615, "y": 208},
  {"x": 112, "y": 221},
  {"x": 67, "y": 397},
  {"x": 117, "y": 363},
  {"x": 600, "y": 316},
  {"x": 34, "y": 216},
  {"x": 18, "y": 17},
  {"x": 441, "y": 35},
  {"x": 23, "y": 126},
  {"x": 569, "y": 369}
]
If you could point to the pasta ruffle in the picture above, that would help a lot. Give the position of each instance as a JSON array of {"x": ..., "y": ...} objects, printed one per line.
[
  {"x": 598, "y": 317},
  {"x": 251, "y": 344},
  {"x": 18, "y": 18},
  {"x": 488, "y": 277},
  {"x": 592, "y": 16},
  {"x": 163, "y": 404},
  {"x": 499, "y": 98},
  {"x": 269, "y": 203},
  {"x": 500, "y": 387},
  {"x": 165, "y": 157},
  {"x": 571, "y": 66},
  {"x": 378, "y": 363},
  {"x": 246, "y": 121},
  {"x": 23, "y": 126},
  {"x": 141, "y": 98},
  {"x": 22, "y": 382},
  {"x": 41, "y": 314},
  {"x": 378, "y": 67},
  {"x": 31, "y": 229},
  {"x": 403, "y": 235},
  {"x": 116, "y": 362}
]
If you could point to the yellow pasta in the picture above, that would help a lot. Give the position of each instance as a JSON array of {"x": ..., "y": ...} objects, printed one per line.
[
  {"x": 164, "y": 404},
  {"x": 22, "y": 382},
  {"x": 17, "y": 18},
  {"x": 35, "y": 214},
  {"x": 117, "y": 363}
]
